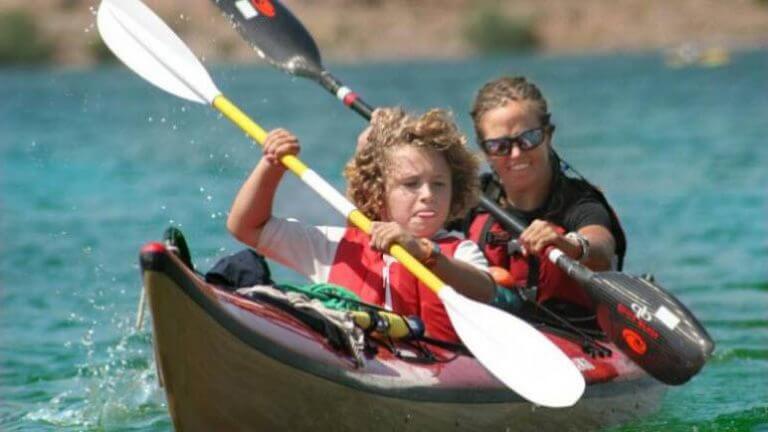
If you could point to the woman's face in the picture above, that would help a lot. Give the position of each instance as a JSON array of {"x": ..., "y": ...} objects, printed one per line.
[
  {"x": 418, "y": 190},
  {"x": 521, "y": 169}
]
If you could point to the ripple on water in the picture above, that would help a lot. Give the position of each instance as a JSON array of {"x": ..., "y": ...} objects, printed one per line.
[
  {"x": 732, "y": 354},
  {"x": 738, "y": 324},
  {"x": 756, "y": 285}
]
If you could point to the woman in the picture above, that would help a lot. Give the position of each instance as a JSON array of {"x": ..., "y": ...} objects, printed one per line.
[{"x": 514, "y": 131}]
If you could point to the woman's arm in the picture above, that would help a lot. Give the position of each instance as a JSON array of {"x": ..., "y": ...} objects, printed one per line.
[
  {"x": 601, "y": 249},
  {"x": 252, "y": 207}
]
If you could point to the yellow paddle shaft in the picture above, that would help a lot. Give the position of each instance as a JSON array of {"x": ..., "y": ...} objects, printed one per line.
[{"x": 314, "y": 181}]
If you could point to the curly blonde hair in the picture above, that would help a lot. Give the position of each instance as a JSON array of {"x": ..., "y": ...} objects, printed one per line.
[{"x": 391, "y": 128}]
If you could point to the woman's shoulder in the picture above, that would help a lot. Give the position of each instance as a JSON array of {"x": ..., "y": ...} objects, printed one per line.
[{"x": 583, "y": 206}]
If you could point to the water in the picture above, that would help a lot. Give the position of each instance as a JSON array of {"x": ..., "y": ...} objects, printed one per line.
[{"x": 95, "y": 163}]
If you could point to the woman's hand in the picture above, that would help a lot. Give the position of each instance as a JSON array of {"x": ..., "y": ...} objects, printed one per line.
[
  {"x": 280, "y": 142},
  {"x": 385, "y": 234},
  {"x": 540, "y": 234}
]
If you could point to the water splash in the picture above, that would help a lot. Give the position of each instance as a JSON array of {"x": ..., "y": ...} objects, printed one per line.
[{"x": 114, "y": 387}]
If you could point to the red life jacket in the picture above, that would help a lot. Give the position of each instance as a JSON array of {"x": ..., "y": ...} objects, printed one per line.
[
  {"x": 359, "y": 268},
  {"x": 553, "y": 283}
]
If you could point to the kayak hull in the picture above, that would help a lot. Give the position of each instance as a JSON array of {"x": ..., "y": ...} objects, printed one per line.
[{"x": 228, "y": 363}]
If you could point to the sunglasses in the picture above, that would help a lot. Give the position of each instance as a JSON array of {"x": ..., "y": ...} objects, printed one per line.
[{"x": 527, "y": 140}]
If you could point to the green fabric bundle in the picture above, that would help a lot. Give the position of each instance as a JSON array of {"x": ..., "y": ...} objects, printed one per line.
[{"x": 332, "y": 296}]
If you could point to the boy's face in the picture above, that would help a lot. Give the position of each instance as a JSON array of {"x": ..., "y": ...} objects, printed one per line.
[{"x": 418, "y": 190}]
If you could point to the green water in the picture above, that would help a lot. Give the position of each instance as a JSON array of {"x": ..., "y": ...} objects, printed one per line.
[{"x": 96, "y": 163}]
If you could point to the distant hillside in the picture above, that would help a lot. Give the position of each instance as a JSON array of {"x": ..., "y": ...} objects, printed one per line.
[{"x": 63, "y": 32}]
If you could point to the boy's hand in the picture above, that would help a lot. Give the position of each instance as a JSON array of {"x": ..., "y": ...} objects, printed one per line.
[
  {"x": 279, "y": 143},
  {"x": 385, "y": 234}
]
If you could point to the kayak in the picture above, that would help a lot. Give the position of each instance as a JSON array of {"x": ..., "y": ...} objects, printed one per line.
[{"x": 230, "y": 362}]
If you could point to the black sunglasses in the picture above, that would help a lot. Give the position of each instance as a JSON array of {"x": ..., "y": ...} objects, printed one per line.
[{"x": 527, "y": 140}]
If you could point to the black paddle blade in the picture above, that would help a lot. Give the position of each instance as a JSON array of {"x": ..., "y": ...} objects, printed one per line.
[
  {"x": 275, "y": 34},
  {"x": 651, "y": 326}
]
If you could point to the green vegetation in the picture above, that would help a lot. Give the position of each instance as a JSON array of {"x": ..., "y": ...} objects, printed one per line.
[
  {"x": 69, "y": 5},
  {"x": 490, "y": 30},
  {"x": 100, "y": 52},
  {"x": 21, "y": 41}
]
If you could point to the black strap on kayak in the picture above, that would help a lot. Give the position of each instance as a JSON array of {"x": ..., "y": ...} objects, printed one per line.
[{"x": 589, "y": 344}]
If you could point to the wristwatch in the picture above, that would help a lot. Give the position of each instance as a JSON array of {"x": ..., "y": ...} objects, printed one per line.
[{"x": 583, "y": 243}]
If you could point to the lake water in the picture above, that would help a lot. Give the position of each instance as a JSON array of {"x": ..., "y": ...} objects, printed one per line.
[{"x": 95, "y": 163}]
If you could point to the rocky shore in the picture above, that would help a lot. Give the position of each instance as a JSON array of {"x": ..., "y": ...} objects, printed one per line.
[{"x": 359, "y": 30}]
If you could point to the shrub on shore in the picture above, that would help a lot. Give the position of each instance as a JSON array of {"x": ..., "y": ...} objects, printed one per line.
[
  {"x": 21, "y": 41},
  {"x": 491, "y": 31},
  {"x": 100, "y": 52}
]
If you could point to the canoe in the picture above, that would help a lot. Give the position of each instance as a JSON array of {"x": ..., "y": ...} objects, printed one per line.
[{"x": 231, "y": 363}]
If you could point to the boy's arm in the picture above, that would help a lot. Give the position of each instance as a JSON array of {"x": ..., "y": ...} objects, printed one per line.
[
  {"x": 465, "y": 278},
  {"x": 252, "y": 207}
]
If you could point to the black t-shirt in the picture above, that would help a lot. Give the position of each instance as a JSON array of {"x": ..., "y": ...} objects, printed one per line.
[{"x": 571, "y": 205}]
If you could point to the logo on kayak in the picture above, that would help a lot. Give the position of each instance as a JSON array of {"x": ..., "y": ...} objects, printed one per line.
[
  {"x": 632, "y": 316},
  {"x": 641, "y": 312},
  {"x": 634, "y": 341},
  {"x": 253, "y": 8}
]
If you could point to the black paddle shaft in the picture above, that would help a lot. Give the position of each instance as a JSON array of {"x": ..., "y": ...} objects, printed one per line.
[{"x": 345, "y": 95}]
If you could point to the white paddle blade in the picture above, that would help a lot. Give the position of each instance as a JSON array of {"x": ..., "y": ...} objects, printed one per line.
[
  {"x": 513, "y": 351},
  {"x": 142, "y": 41}
]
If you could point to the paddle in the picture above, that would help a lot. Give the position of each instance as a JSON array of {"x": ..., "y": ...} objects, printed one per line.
[
  {"x": 279, "y": 38},
  {"x": 517, "y": 354},
  {"x": 645, "y": 321}
]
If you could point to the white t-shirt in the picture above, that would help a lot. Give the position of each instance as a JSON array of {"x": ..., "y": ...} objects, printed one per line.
[{"x": 310, "y": 250}]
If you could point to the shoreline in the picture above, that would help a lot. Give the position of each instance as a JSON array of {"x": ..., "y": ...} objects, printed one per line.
[{"x": 428, "y": 29}]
